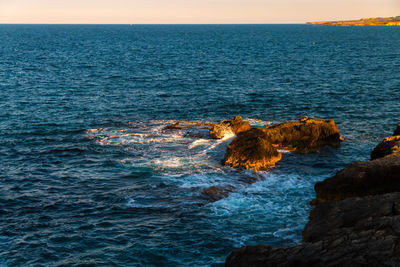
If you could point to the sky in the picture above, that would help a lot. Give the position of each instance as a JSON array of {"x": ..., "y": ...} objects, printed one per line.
[{"x": 191, "y": 11}]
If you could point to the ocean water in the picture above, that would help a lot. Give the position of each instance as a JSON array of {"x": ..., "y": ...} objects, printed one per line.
[{"x": 89, "y": 176}]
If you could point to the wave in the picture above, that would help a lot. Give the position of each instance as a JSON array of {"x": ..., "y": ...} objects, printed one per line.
[{"x": 151, "y": 144}]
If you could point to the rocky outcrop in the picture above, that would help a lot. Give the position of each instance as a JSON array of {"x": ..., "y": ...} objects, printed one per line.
[
  {"x": 362, "y": 178},
  {"x": 251, "y": 150},
  {"x": 234, "y": 126},
  {"x": 389, "y": 145},
  {"x": 355, "y": 232},
  {"x": 305, "y": 135},
  {"x": 378, "y": 176},
  {"x": 257, "y": 148},
  {"x": 355, "y": 222}
]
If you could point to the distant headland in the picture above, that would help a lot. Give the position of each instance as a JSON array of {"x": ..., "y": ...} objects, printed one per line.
[{"x": 392, "y": 21}]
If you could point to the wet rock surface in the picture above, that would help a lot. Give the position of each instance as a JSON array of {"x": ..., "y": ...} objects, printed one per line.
[
  {"x": 361, "y": 179},
  {"x": 257, "y": 148},
  {"x": 378, "y": 176},
  {"x": 251, "y": 150},
  {"x": 389, "y": 146},
  {"x": 234, "y": 126},
  {"x": 355, "y": 222},
  {"x": 305, "y": 135}
]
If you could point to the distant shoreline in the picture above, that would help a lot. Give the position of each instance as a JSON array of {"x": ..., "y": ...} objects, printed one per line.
[{"x": 391, "y": 21}]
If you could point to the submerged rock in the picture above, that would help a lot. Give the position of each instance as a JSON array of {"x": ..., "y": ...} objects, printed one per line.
[
  {"x": 217, "y": 192},
  {"x": 251, "y": 150},
  {"x": 355, "y": 222},
  {"x": 305, "y": 135},
  {"x": 234, "y": 126}
]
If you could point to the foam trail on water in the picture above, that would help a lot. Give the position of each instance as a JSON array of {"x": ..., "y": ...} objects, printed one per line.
[
  {"x": 198, "y": 143},
  {"x": 169, "y": 151}
]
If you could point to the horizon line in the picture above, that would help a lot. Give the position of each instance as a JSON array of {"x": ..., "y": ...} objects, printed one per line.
[{"x": 251, "y": 23}]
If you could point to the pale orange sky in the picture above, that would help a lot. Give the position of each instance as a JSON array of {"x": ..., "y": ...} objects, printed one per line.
[{"x": 191, "y": 11}]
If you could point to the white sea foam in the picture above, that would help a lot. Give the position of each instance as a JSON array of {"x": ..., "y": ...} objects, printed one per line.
[
  {"x": 257, "y": 122},
  {"x": 274, "y": 188},
  {"x": 172, "y": 162},
  {"x": 199, "y": 143},
  {"x": 201, "y": 180}
]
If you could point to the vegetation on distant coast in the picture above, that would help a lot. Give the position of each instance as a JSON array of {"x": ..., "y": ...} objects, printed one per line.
[{"x": 392, "y": 21}]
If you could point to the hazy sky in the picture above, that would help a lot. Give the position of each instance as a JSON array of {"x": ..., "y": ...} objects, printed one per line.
[{"x": 191, "y": 11}]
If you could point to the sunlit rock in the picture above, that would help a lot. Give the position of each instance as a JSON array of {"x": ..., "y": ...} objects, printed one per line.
[
  {"x": 235, "y": 125},
  {"x": 305, "y": 135},
  {"x": 251, "y": 150},
  {"x": 389, "y": 146}
]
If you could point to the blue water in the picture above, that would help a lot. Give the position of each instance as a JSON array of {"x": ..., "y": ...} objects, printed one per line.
[{"x": 88, "y": 175}]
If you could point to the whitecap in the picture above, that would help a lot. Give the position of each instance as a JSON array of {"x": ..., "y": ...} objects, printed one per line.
[{"x": 198, "y": 143}]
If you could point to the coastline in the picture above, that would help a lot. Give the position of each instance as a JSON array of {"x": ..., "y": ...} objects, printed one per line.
[
  {"x": 391, "y": 21},
  {"x": 355, "y": 222}
]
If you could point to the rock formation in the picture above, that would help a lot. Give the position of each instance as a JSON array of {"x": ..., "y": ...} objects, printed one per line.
[
  {"x": 355, "y": 222},
  {"x": 251, "y": 150},
  {"x": 362, "y": 178},
  {"x": 390, "y": 145},
  {"x": 257, "y": 148},
  {"x": 380, "y": 175},
  {"x": 305, "y": 135},
  {"x": 235, "y": 125}
]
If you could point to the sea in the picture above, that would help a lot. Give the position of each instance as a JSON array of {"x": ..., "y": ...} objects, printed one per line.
[{"x": 89, "y": 176}]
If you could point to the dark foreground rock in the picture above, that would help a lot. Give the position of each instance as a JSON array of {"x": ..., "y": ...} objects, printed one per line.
[
  {"x": 234, "y": 126},
  {"x": 378, "y": 176},
  {"x": 251, "y": 150},
  {"x": 356, "y": 222},
  {"x": 362, "y": 178},
  {"x": 356, "y": 232}
]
